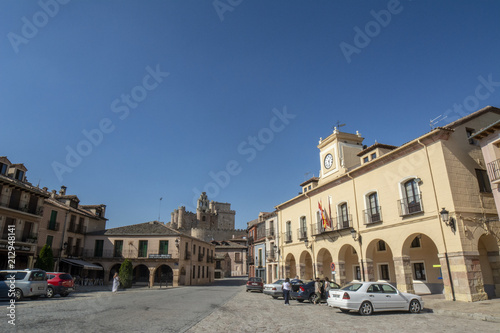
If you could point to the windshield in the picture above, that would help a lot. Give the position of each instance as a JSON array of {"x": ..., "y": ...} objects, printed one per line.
[
  {"x": 279, "y": 282},
  {"x": 352, "y": 286}
]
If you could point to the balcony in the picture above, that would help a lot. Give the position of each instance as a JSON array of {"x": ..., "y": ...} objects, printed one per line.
[
  {"x": 29, "y": 238},
  {"x": 250, "y": 240},
  {"x": 373, "y": 215},
  {"x": 494, "y": 171},
  {"x": 53, "y": 226},
  {"x": 302, "y": 233},
  {"x": 250, "y": 260},
  {"x": 71, "y": 227},
  {"x": 410, "y": 206},
  {"x": 270, "y": 233},
  {"x": 200, "y": 256},
  {"x": 342, "y": 222},
  {"x": 271, "y": 255},
  {"x": 108, "y": 254},
  {"x": 80, "y": 229},
  {"x": 74, "y": 251},
  {"x": 187, "y": 255},
  {"x": 288, "y": 236},
  {"x": 36, "y": 211}
]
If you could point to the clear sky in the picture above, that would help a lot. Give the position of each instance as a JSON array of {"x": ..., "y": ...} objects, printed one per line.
[{"x": 127, "y": 102}]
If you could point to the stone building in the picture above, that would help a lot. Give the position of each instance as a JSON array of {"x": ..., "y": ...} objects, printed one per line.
[
  {"x": 413, "y": 215},
  {"x": 233, "y": 257},
  {"x": 21, "y": 209},
  {"x": 212, "y": 220},
  {"x": 159, "y": 254},
  {"x": 64, "y": 225}
]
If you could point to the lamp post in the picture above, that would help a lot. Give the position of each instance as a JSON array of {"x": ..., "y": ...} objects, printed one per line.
[{"x": 449, "y": 221}]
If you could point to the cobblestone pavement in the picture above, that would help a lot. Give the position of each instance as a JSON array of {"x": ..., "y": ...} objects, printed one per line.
[{"x": 256, "y": 312}]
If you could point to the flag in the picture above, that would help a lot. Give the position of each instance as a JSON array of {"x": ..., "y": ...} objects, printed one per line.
[
  {"x": 323, "y": 218},
  {"x": 330, "y": 210}
]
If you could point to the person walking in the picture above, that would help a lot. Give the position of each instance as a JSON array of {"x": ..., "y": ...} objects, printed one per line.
[
  {"x": 328, "y": 286},
  {"x": 286, "y": 291},
  {"x": 116, "y": 282}
]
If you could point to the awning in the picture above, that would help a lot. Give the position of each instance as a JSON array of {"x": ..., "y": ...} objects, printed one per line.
[{"x": 84, "y": 264}]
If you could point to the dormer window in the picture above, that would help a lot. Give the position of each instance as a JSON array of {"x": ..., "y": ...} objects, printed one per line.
[
  {"x": 365, "y": 159},
  {"x": 19, "y": 174},
  {"x": 373, "y": 156},
  {"x": 3, "y": 168}
]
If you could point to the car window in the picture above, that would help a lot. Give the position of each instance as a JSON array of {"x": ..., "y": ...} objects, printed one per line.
[
  {"x": 373, "y": 289},
  {"x": 20, "y": 275},
  {"x": 254, "y": 279},
  {"x": 37, "y": 276},
  {"x": 352, "y": 286},
  {"x": 66, "y": 277},
  {"x": 333, "y": 285},
  {"x": 387, "y": 289},
  {"x": 279, "y": 282},
  {"x": 50, "y": 277}
]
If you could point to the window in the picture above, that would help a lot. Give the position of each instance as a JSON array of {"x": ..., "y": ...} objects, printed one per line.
[
  {"x": 470, "y": 132},
  {"x": 288, "y": 231},
  {"x": 19, "y": 174},
  {"x": 72, "y": 223},
  {"x": 303, "y": 227},
  {"x": 52, "y": 221},
  {"x": 260, "y": 257},
  {"x": 199, "y": 267},
  {"x": 384, "y": 272},
  {"x": 381, "y": 246},
  {"x": 163, "y": 247},
  {"x": 373, "y": 156},
  {"x": 194, "y": 249},
  {"x": 98, "y": 247},
  {"x": 49, "y": 240},
  {"x": 143, "y": 249},
  {"x": 411, "y": 202},
  {"x": 118, "y": 248},
  {"x": 237, "y": 257},
  {"x": 69, "y": 245},
  {"x": 415, "y": 242},
  {"x": 483, "y": 181},
  {"x": 419, "y": 271},
  {"x": 373, "y": 209},
  {"x": 344, "y": 216},
  {"x": 3, "y": 168},
  {"x": 365, "y": 159},
  {"x": 194, "y": 271},
  {"x": 357, "y": 273}
]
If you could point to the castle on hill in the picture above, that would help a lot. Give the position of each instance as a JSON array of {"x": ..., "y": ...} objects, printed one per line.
[{"x": 212, "y": 221}]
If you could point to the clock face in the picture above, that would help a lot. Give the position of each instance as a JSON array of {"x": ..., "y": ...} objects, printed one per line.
[{"x": 328, "y": 161}]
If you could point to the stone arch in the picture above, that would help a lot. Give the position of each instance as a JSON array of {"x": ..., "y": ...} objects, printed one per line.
[
  {"x": 290, "y": 266},
  {"x": 163, "y": 274},
  {"x": 379, "y": 263},
  {"x": 348, "y": 266},
  {"x": 323, "y": 261},
  {"x": 417, "y": 270},
  {"x": 306, "y": 266},
  {"x": 489, "y": 260},
  {"x": 141, "y": 275}
]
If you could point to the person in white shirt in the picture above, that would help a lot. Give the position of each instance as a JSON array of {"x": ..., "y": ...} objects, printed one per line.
[{"x": 287, "y": 288}]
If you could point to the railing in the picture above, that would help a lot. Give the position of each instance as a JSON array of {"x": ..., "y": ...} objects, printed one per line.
[
  {"x": 250, "y": 240},
  {"x": 125, "y": 254},
  {"x": 53, "y": 226},
  {"x": 494, "y": 171},
  {"x": 302, "y": 233},
  {"x": 410, "y": 206},
  {"x": 342, "y": 222},
  {"x": 270, "y": 233},
  {"x": 37, "y": 211},
  {"x": 74, "y": 251},
  {"x": 288, "y": 236},
  {"x": 200, "y": 256},
  {"x": 238, "y": 259},
  {"x": 71, "y": 227},
  {"x": 373, "y": 215},
  {"x": 80, "y": 229},
  {"x": 30, "y": 238},
  {"x": 270, "y": 255}
]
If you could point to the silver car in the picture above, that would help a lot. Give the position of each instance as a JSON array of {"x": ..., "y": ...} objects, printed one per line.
[{"x": 27, "y": 283}]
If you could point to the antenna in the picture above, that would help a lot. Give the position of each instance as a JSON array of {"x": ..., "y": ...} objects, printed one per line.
[
  {"x": 305, "y": 175},
  {"x": 435, "y": 121},
  {"x": 159, "y": 210}
]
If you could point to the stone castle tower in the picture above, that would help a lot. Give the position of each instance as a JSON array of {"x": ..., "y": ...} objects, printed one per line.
[{"x": 212, "y": 220}]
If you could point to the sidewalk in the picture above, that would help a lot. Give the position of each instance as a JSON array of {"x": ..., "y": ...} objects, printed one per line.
[{"x": 483, "y": 310}]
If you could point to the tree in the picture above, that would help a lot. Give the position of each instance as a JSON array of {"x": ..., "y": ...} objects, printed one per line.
[
  {"x": 126, "y": 274},
  {"x": 45, "y": 259}
]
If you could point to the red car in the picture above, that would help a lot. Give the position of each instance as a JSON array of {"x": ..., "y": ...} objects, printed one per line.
[
  {"x": 59, "y": 283},
  {"x": 255, "y": 283}
]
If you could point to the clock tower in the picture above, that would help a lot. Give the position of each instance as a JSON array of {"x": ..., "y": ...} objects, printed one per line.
[{"x": 338, "y": 153}]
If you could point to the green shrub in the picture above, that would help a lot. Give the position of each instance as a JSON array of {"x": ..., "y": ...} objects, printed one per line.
[
  {"x": 45, "y": 259},
  {"x": 126, "y": 274}
]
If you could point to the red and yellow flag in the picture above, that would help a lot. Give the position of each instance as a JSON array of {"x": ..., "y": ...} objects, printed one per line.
[{"x": 323, "y": 217}]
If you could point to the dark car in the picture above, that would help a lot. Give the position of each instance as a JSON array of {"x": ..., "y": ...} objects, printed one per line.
[
  {"x": 305, "y": 292},
  {"x": 255, "y": 283},
  {"x": 59, "y": 283}
]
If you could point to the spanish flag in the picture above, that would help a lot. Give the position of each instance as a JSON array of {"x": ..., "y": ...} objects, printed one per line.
[{"x": 323, "y": 218}]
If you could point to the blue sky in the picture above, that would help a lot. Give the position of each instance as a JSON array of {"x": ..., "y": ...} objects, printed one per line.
[{"x": 127, "y": 102}]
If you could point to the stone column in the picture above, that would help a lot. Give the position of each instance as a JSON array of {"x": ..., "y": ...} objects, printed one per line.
[
  {"x": 175, "y": 281},
  {"x": 494, "y": 260},
  {"x": 319, "y": 270},
  {"x": 466, "y": 276},
  {"x": 404, "y": 274},
  {"x": 367, "y": 270},
  {"x": 339, "y": 276},
  {"x": 151, "y": 276}
]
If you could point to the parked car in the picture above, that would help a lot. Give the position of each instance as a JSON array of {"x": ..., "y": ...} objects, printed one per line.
[
  {"x": 255, "y": 283},
  {"x": 369, "y": 297},
  {"x": 305, "y": 292},
  {"x": 29, "y": 282},
  {"x": 4, "y": 287},
  {"x": 59, "y": 283},
  {"x": 275, "y": 289}
]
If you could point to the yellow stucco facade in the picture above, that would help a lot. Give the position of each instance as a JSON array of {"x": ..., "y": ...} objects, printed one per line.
[{"x": 382, "y": 221}]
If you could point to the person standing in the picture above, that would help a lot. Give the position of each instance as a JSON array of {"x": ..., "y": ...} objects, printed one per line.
[
  {"x": 317, "y": 291},
  {"x": 286, "y": 291},
  {"x": 328, "y": 286},
  {"x": 116, "y": 282}
]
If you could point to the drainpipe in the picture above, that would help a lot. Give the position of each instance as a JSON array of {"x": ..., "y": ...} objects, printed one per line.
[
  {"x": 357, "y": 221},
  {"x": 441, "y": 224},
  {"x": 62, "y": 242},
  {"x": 312, "y": 243}
]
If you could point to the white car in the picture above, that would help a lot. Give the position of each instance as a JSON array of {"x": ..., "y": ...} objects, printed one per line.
[
  {"x": 274, "y": 289},
  {"x": 369, "y": 297}
]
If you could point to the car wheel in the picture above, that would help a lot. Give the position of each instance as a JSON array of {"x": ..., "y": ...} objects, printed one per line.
[
  {"x": 415, "y": 306},
  {"x": 247, "y": 290},
  {"x": 275, "y": 297},
  {"x": 344, "y": 310},
  {"x": 18, "y": 295},
  {"x": 312, "y": 298},
  {"x": 300, "y": 300},
  {"x": 50, "y": 292},
  {"x": 366, "y": 309}
]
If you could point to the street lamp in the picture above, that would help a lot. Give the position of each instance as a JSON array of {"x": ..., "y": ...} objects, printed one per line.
[
  {"x": 449, "y": 221},
  {"x": 356, "y": 236},
  {"x": 177, "y": 242},
  {"x": 306, "y": 243}
]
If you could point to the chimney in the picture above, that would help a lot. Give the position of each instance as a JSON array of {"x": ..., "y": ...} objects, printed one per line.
[
  {"x": 53, "y": 194},
  {"x": 63, "y": 190}
]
